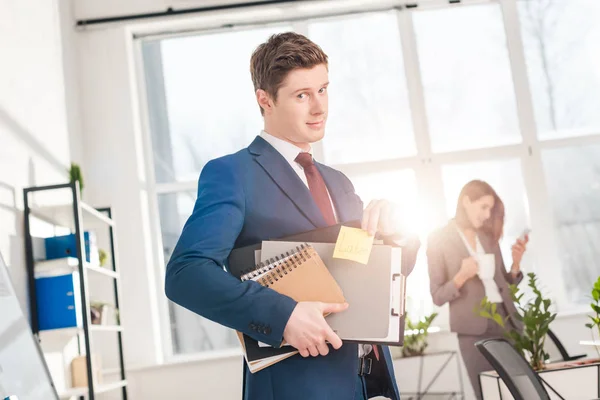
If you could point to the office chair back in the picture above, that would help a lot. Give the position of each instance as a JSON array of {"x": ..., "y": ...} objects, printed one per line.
[
  {"x": 518, "y": 376},
  {"x": 555, "y": 345}
]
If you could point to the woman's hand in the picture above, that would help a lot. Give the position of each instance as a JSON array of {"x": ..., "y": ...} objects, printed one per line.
[
  {"x": 518, "y": 249},
  {"x": 468, "y": 270}
]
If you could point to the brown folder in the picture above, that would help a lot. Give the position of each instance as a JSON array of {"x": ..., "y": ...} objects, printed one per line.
[{"x": 301, "y": 275}]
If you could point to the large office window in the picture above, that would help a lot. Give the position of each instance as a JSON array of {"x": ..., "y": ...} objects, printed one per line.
[
  {"x": 369, "y": 114},
  {"x": 416, "y": 111},
  {"x": 562, "y": 49},
  {"x": 466, "y": 78},
  {"x": 573, "y": 176}
]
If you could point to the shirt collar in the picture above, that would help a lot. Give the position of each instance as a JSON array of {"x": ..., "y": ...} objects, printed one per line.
[{"x": 288, "y": 150}]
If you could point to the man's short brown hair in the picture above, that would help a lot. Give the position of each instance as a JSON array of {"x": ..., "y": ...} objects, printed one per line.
[{"x": 273, "y": 60}]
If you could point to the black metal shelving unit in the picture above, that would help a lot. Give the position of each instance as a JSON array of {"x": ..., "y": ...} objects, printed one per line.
[{"x": 73, "y": 213}]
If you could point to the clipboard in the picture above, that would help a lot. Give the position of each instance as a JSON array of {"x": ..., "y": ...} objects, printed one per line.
[{"x": 242, "y": 260}]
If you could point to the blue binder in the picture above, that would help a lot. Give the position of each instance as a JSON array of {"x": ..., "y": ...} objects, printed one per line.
[
  {"x": 66, "y": 246},
  {"x": 58, "y": 301}
]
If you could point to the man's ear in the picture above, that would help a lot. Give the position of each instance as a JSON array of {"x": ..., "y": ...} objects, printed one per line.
[{"x": 264, "y": 101}]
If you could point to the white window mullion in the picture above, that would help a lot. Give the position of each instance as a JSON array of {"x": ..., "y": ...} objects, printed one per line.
[
  {"x": 162, "y": 325},
  {"x": 429, "y": 178},
  {"x": 174, "y": 187},
  {"x": 577, "y": 141},
  {"x": 543, "y": 236},
  {"x": 374, "y": 167}
]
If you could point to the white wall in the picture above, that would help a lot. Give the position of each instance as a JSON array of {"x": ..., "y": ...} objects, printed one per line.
[
  {"x": 115, "y": 178},
  {"x": 34, "y": 136}
]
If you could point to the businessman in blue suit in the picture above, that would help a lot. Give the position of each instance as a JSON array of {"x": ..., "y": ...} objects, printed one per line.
[{"x": 274, "y": 188}]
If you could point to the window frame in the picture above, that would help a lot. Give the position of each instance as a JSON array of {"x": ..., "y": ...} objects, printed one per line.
[{"x": 426, "y": 164}]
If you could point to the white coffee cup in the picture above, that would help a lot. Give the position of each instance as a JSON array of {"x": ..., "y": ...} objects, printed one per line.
[{"x": 487, "y": 266}]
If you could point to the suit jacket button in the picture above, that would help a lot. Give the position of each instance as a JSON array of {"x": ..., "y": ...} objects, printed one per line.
[{"x": 267, "y": 331}]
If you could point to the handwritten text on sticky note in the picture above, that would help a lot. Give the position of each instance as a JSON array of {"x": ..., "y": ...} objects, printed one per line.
[{"x": 353, "y": 244}]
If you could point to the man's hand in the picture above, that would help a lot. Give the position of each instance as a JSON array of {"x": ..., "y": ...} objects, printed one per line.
[
  {"x": 307, "y": 329},
  {"x": 378, "y": 216}
]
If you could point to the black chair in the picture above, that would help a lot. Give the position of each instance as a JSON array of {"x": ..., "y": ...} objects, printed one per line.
[
  {"x": 520, "y": 379},
  {"x": 561, "y": 349}
]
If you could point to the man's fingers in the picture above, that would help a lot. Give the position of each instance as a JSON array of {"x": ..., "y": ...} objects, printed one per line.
[
  {"x": 312, "y": 349},
  {"x": 333, "y": 339},
  {"x": 386, "y": 218},
  {"x": 374, "y": 216},
  {"x": 323, "y": 348},
  {"x": 304, "y": 352},
  {"x": 366, "y": 215},
  {"x": 333, "y": 307}
]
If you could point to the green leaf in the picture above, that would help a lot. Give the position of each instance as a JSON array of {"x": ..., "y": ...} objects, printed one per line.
[
  {"x": 596, "y": 308},
  {"x": 499, "y": 320},
  {"x": 589, "y": 326},
  {"x": 494, "y": 308},
  {"x": 484, "y": 314},
  {"x": 547, "y": 303}
]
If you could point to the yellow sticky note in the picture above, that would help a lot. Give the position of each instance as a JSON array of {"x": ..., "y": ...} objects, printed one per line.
[{"x": 353, "y": 244}]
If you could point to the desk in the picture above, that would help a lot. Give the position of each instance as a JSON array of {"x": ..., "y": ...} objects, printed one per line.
[
  {"x": 595, "y": 343},
  {"x": 570, "y": 380}
]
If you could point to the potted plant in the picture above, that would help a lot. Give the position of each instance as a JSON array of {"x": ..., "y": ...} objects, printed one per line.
[
  {"x": 103, "y": 313},
  {"x": 102, "y": 257},
  {"x": 415, "y": 336},
  {"x": 595, "y": 304},
  {"x": 75, "y": 175},
  {"x": 536, "y": 317}
]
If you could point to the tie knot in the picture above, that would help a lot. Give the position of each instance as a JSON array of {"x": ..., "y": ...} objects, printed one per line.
[{"x": 305, "y": 159}]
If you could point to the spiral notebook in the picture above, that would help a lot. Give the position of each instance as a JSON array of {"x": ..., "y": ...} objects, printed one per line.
[{"x": 299, "y": 274}]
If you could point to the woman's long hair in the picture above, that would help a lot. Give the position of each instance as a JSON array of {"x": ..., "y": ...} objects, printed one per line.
[{"x": 474, "y": 190}]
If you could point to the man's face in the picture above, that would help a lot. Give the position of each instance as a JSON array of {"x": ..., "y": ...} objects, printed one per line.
[{"x": 300, "y": 112}]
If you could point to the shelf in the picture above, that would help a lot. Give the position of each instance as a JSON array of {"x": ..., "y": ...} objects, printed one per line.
[
  {"x": 83, "y": 391},
  {"x": 103, "y": 271},
  {"x": 67, "y": 265},
  {"x": 63, "y": 215},
  {"x": 106, "y": 328},
  {"x": 69, "y": 332}
]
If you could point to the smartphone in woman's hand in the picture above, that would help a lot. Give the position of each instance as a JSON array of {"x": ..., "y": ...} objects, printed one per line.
[{"x": 526, "y": 232}]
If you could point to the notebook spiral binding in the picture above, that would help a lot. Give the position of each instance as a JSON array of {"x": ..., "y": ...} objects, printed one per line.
[{"x": 276, "y": 268}]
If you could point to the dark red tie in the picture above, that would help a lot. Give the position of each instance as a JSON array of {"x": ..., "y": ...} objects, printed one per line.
[{"x": 317, "y": 187}]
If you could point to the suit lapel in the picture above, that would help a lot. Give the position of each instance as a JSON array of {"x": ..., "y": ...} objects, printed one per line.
[
  {"x": 286, "y": 178},
  {"x": 456, "y": 241}
]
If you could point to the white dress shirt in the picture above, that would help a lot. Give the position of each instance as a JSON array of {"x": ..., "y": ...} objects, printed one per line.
[
  {"x": 489, "y": 285},
  {"x": 492, "y": 292}
]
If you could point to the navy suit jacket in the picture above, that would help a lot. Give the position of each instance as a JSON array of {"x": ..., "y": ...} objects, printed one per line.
[{"x": 244, "y": 198}]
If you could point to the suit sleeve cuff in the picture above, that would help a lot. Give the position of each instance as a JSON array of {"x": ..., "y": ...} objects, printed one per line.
[
  {"x": 453, "y": 291},
  {"x": 279, "y": 313}
]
